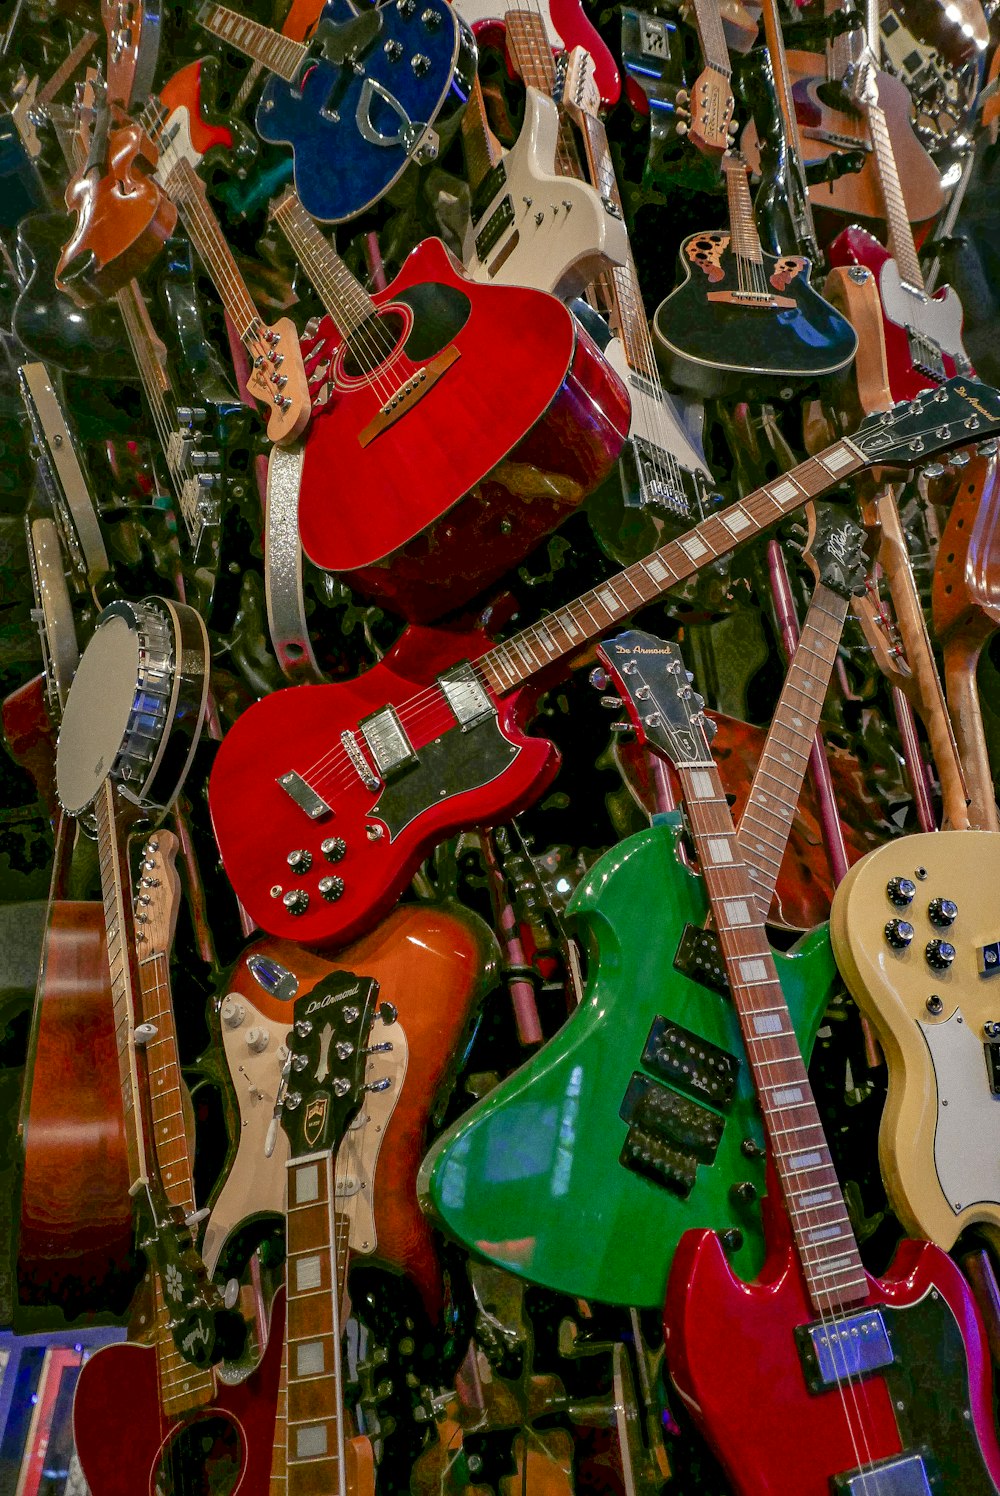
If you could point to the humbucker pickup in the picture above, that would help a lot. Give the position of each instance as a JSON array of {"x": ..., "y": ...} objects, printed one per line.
[
  {"x": 487, "y": 191},
  {"x": 692, "y": 1064},
  {"x": 899, "y": 1475},
  {"x": 699, "y": 957},
  {"x": 656, "y": 1109},
  {"x": 842, "y": 1349}
]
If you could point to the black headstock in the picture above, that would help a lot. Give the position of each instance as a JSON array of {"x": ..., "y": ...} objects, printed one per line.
[
  {"x": 959, "y": 413},
  {"x": 656, "y": 689},
  {"x": 835, "y": 550}
]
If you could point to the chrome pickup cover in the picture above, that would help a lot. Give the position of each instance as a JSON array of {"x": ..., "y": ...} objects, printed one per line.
[
  {"x": 466, "y": 695},
  {"x": 387, "y": 742},
  {"x": 843, "y": 1348},
  {"x": 901, "y": 1475}
]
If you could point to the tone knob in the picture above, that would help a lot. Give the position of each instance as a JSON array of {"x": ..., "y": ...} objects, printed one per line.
[
  {"x": 942, "y": 912},
  {"x": 393, "y": 50},
  {"x": 258, "y": 1039},
  {"x": 331, "y": 887},
  {"x": 333, "y": 848},
  {"x": 232, "y": 1013},
  {"x": 421, "y": 64},
  {"x": 744, "y": 1193},
  {"x": 296, "y": 901},
  {"x": 900, "y": 891},
  {"x": 940, "y": 954},
  {"x": 898, "y": 934},
  {"x": 300, "y": 861},
  {"x": 431, "y": 18}
]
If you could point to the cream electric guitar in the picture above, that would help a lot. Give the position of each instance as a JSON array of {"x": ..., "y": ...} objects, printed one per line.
[
  {"x": 530, "y": 224},
  {"x": 915, "y": 928}
]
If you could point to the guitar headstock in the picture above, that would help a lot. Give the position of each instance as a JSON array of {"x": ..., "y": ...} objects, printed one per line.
[
  {"x": 668, "y": 716},
  {"x": 575, "y": 73},
  {"x": 959, "y": 413},
  {"x": 711, "y": 127},
  {"x": 327, "y": 1043},
  {"x": 835, "y": 550},
  {"x": 133, "y": 28},
  {"x": 157, "y": 895}
]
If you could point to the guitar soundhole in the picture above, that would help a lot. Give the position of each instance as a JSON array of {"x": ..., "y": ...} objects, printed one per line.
[
  {"x": 203, "y": 1459},
  {"x": 372, "y": 343}
]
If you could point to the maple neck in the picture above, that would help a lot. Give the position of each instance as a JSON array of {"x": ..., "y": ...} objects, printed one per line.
[
  {"x": 184, "y": 186},
  {"x": 746, "y": 240},
  {"x": 532, "y": 55},
  {"x": 313, "y": 1453},
  {"x": 344, "y": 297},
  {"x": 777, "y": 783},
  {"x": 566, "y": 630},
  {"x": 708, "y": 20},
  {"x": 901, "y": 242},
  {"x": 827, "y": 1249},
  {"x": 482, "y": 149},
  {"x": 279, "y": 54},
  {"x": 125, "y": 982},
  {"x": 775, "y": 42},
  {"x": 65, "y": 70}
]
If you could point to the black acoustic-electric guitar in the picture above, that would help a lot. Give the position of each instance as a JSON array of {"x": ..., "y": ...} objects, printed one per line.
[{"x": 743, "y": 319}]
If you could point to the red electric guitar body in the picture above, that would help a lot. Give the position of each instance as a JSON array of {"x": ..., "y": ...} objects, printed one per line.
[
  {"x": 223, "y": 1449},
  {"x": 380, "y": 836},
  {"x": 192, "y": 89},
  {"x": 733, "y": 1352},
  {"x": 464, "y": 423},
  {"x": 914, "y": 323}
]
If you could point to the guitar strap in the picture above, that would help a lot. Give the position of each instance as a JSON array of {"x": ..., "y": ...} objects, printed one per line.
[{"x": 286, "y": 612}]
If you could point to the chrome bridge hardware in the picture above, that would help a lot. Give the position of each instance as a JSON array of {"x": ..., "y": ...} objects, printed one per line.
[
  {"x": 387, "y": 742},
  {"x": 900, "y": 1475},
  {"x": 368, "y": 779},
  {"x": 466, "y": 695},
  {"x": 841, "y": 1349},
  {"x": 304, "y": 795}
]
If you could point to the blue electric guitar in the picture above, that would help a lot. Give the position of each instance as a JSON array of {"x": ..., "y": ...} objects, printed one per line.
[{"x": 359, "y": 100}]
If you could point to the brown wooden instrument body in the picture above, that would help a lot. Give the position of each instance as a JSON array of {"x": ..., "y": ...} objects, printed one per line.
[
  {"x": 123, "y": 219},
  {"x": 76, "y": 1214}
]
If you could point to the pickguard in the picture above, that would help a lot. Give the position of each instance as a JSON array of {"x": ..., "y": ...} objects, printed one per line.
[
  {"x": 968, "y": 1175},
  {"x": 785, "y": 270},
  {"x": 447, "y": 766},
  {"x": 706, "y": 251},
  {"x": 940, "y": 321}
]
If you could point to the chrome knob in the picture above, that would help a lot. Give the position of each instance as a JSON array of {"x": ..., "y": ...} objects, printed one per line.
[
  {"x": 331, "y": 887},
  {"x": 942, "y": 912},
  {"x": 333, "y": 848},
  {"x": 940, "y": 954},
  {"x": 393, "y": 50},
  {"x": 421, "y": 64},
  {"x": 300, "y": 861},
  {"x": 296, "y": 901},
  {"x": 900, "y": 891},
  {"x": 232, "y": 1013},
  {"x": 898, "y": 934}
]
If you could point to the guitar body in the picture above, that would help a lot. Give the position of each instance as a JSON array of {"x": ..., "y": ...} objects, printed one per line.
[
  {"x": 478, "y": 777},
  {"x": 940, "y": 1093},
  {"x": 914, "y": 324},
  {"x": 75, "y": 1241},
  {"x": 49, "y": 323},
  {"x": 192, "y": 89},
  {"x": 223, "y": 1449},
  {"x": 512, "y": 419},
  {"x": 578, "y": 236},
  {"x": 353, "y": 133},
  {"x": 433, "y": 963},
  {"x": 123, "y": 219},
  {"x": 825, "y": 127},
  {"x": 567, "y": 26},
  {"x": 559, "y": 1208},
  {"x": 712, "y": 340},
  {"x": 732, "y": 1354}
]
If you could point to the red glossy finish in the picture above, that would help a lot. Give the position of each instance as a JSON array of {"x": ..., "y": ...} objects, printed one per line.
[
  {"x": 432, "y": 962},
  {"x": 257, "y": 824},
  {"x": 122, "y": 1435},
  {"x": 855, "y": 246},
  {"x": 505, "y": 445},
  {"x": 732, "y": 1354},
  {"x": 184, "y": 91},
  {"x": 76, "y": 1215},
  {"x": 31, "y": 738}
]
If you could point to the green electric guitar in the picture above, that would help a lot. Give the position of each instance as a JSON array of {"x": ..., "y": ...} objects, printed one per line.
[{"x": 639, "y": 1120}]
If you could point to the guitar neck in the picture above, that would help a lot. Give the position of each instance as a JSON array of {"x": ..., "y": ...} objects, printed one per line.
[
  {"x": 826, "y": 1245},
  {"x": 482, "y": 149},
  {"x": 317, "y": 1263},
  {"x": 344, "y": 298},
  {"x": 901, "y": 242},
  {"x": 529, "y": 47},
  {"x": 66, "y": 69},
  {"x": 711, "y": 34},
  {"x": 775, "y": 41},
  {"x": 777, "y": 782},
  {"x": 151, "y": 360},
  {"x": 746, "y": 240},
  {"x": 566, "y": 630},
  {"x": 279, "y": 54},
  {"x": 184, "y": 186}
]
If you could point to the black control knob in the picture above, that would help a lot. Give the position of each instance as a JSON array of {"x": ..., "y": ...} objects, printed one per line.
[
  {"x": 942, "y": 912},
  {"x": 898, "y": 934},
  {"x": 901, "y": 891},
  {"x": 732, "y": 1239},
  {"x": 300, "y": 861},
  {"x": 331, "y": 887},
  {"x": 744, "y": 1193},
  {"x": 333, "y": 848},
  {"x": 940, "y": 954},
  {"x": 296, "y": 901}
]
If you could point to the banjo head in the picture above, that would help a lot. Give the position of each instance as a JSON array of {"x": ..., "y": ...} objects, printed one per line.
[{"x": 135, "y": 708}]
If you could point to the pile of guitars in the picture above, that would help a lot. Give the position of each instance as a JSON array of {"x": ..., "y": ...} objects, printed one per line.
[{"x": 510, "y": 503}]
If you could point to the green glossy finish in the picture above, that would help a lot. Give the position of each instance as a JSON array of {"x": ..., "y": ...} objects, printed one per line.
[{"x": 530, "y": 1177}]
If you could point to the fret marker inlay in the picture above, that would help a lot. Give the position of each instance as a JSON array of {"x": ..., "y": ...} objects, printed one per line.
[
  {"x": 311, "y": 1441},
  {"x": 306, "y": 1184},
  {"x": 701, "y": 785},
  {"x": 755, "y": 971},
  {"x": 308, "y": 1273},
  {"x": 805, "y": 1161},
  {"x": 719, "y": 849},
  {"x": 767, "y": 1023},
  {"x": 737, "y": 911},
  {"x": 309, "y": 1360},
  {"x": 735, "y": 520},
  {"x": 787, "y": 1095}
]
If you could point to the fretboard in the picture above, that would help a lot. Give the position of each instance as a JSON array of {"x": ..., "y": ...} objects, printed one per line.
[
  {"x": 901, "y": 242},
  {"x": 746, "y": 240},
  {"x": 344, "y": 298},
  {"x": 317, "y": 1260},
  {"x": 823, "y": 1235},
  {"x": 566, "y": 630},
  {"x": 482, "y": 149},
  {"x": 182, "y": 184},
  {"x": 777, "y": 784},
  {"x": 708, "y": 19},
  {"x": 529, "y": 47},
  {"x": 151, "y": 360},
  {"x": 279, "y": 54}
]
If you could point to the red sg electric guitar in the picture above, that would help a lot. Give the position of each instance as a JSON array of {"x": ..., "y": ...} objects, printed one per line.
[
  {"x": 818, "y": 1378},
  {"x": 325, "y": 799}
]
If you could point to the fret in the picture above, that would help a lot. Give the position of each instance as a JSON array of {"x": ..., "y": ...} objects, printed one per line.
[
  {"x": 344, "y": 298},
  {"x": 901, "y": 242},
  {"x": 279, "y": 54},
  {"x": 183, "y": 185},
  {"x": 712, "y": 36}
]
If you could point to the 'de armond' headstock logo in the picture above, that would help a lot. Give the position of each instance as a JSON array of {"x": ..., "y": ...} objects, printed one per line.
[{"x": 314, "y": 1121}]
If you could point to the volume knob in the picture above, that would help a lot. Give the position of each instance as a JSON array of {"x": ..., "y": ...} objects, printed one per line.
[
  {"x": 300, "y": 861},
  {"x": 296, "y": 901},
  {"x": 940, "y": 954},
  {"x": 942, "y": 912},
  {"x": 900, "y": 891},
  {"x": 232, "y": 1013},
  {"x": 333, "y": 848},
  {"x": 257, "y": 1039},
  {"x": 898, "y": 934},
  {"x": 331, "y": 887}
]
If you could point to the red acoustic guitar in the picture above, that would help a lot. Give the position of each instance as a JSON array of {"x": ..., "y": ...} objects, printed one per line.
[
  {"x": 814, "y": 1379},
  {"x": 325, "y": 799},
  {"x": 463, "y": 422}
]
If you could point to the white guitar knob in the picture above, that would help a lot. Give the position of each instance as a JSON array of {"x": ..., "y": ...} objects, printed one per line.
[
  {"x": 232, "y": 1013},
  {"x": 258, "y": 1039}
]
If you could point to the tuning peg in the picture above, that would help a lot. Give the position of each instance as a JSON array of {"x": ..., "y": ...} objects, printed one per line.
[
  {"x": 682, "y": 127},
  {"x": 598, "y": 678},
  {"x": 933, "y": 469},
  {"x": 960, "y": 459},
  {"x": 387, "y": 1012},
  {"x": 611, "y": 703},
  {"x": 988, "y": 448}
]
